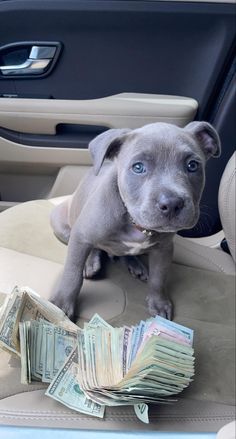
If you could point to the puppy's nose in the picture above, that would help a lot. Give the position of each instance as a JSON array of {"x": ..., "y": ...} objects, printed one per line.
[{"x": 170, "y": 205}]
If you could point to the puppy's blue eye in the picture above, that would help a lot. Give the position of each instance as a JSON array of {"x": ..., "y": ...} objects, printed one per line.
[
  {"x": 138, "y": 168},
  {"x": 192, "y": 166}
]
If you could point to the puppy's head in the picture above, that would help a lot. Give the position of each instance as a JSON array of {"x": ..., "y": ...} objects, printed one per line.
[{"x": 160, "y": 171}]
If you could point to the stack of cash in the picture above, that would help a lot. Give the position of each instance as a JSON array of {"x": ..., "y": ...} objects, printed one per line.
[
  {"x": 23, "y": 305},
  {"x": 146, "y": 363},
  {"x": 44, "y": 349},
  {"x": 99, "y": 365}
]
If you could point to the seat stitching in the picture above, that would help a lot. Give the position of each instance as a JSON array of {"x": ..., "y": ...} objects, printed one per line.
[
  {"x": 124, "y": 418},
  {"x": 114, "y": 413}
]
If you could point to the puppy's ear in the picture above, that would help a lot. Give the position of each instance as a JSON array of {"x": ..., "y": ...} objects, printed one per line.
[
  {"x": 106, "y": 146},
  {"x": 207, "y": 138}
]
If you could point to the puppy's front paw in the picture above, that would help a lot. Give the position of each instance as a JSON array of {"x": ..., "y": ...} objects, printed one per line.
[
  {"x": 161, "y": 306},
  {"x": 66, "y": 304}
]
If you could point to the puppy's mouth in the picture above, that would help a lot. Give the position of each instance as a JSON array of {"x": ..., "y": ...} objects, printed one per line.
[
  {"x": 159, "y": 229},
  {"x": 145, "y": 231},
  {"x": 167, "y": 227},
  {"x": 156, "y": 224},
  {"x": 150, "y": 231}
]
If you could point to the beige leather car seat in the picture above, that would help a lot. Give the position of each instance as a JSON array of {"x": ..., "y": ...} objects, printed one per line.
[
  {"x": 227, "y": 204},
  {"x": 201, "y": 285}
]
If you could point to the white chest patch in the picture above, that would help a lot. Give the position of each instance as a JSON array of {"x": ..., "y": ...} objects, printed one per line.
[{"x": 134, "y": 248}]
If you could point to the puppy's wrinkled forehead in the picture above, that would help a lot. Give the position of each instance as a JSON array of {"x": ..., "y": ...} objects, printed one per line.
[{"x": 161, "y": 142}]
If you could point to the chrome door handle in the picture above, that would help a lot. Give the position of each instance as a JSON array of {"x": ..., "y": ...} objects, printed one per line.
[
  {"x": 30, "y": 66},
  {"x": 40, "y": 58}
]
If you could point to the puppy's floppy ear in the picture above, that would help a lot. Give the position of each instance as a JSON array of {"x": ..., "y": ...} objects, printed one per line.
[
  {"x": 106, "y": 145},
  {"x": 207, "y": 137}
]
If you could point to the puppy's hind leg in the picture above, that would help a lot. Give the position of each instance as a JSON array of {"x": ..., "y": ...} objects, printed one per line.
[
  {"x": 136, "y": 267},
  {"x": 93, "y": 263},
  {"x": 59, "y": 222}
]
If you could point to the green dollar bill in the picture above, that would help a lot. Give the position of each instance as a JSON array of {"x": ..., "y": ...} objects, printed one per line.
[
  {"x": 141, "y": 411},
  {"x": 24, "y": 360},
  {"x": 97, "y": 322},
  {"x": 65, "y": 388},
  {"x": 48, "y": 353},
  {"x": 8, "y": 321},
  {"x": 64, "y": 343}
]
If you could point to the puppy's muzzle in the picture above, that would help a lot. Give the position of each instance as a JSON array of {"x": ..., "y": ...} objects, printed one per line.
[{"x": 170, "y": 205}]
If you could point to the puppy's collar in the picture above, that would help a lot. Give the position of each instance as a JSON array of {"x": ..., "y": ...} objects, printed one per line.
[{"x": 146, "y": 232}]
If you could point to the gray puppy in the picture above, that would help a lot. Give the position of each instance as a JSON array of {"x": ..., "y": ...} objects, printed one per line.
[{"x": 133, "y": 203}]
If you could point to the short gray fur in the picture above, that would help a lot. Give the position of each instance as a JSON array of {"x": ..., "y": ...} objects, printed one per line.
[{"x": 114, "y": 208}]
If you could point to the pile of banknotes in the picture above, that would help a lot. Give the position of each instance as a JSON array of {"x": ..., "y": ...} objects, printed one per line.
[
  {"x": 99, "y": 365},
  {"x": 23, "y": 305},
  {"x": 44, "y": 349}
]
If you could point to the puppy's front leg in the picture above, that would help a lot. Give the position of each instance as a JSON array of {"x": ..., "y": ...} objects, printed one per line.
[
  {"x": 159, "y": 264},
  {"x": 72, "y": 278}
]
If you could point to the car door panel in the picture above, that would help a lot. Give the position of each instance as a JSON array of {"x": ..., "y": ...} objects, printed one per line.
[
  {"x": 40, "y": 137},
  {"x": 110, "y": 47},
  {"x": 130, "y": 110}
]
